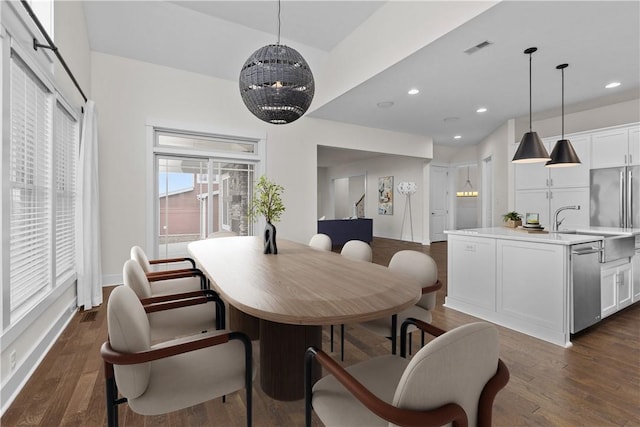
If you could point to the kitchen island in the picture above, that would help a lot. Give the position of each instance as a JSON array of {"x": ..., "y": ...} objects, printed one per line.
[{"x": 519, "y": 279}]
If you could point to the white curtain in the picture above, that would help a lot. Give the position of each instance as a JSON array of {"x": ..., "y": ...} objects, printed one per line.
[{"x": 88, "y": 257}]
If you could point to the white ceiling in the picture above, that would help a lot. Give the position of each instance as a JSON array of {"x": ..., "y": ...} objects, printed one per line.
[{"x": 599, "y": 40}]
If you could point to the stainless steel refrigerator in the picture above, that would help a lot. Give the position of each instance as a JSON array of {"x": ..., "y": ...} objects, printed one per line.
[{"x": 615, "y": 197}]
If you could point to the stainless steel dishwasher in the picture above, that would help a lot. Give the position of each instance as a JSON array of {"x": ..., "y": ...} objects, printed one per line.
[{"x": 585, "y": 270}]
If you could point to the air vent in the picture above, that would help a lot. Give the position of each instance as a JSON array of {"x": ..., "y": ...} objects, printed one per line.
[{"x": 477, "y": 47}]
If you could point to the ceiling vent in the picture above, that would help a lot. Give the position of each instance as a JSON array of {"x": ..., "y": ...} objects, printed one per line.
[{"x": 477, "y": 47}]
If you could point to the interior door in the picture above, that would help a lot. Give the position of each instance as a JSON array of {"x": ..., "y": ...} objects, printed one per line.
[{"x": 438, "y": 202}]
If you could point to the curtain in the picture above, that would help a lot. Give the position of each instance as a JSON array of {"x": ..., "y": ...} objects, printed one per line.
[{"x": 88, "y": 256}]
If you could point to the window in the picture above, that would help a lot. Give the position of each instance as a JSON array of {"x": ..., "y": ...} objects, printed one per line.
[
  {"x": 42, "y": 163},
  {"x": 202, "y": 183}
]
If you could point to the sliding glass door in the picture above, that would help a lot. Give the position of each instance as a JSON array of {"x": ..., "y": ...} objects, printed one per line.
[{"x": 198, "y": 194}]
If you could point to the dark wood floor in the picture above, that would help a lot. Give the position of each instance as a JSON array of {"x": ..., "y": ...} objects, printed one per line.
[{"x": 594, "y": 383}]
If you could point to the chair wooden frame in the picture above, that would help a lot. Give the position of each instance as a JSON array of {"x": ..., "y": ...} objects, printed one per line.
[
  {"x": 167, "y": 302},
  {"x": 112, "y": 357},
  {"x": 449, "y": 413}
]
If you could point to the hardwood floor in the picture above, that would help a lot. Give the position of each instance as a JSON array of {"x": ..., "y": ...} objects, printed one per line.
[{"x": 594, "y": 383}]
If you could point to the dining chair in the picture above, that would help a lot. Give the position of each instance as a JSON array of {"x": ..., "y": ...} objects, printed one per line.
[
  {"x": 200, "y": 310},
  {"x": 172, "y": 375},
  {"x": 320, "y": 241},
  {"x": 180, "y": 279},
  {"x": 422, "y": 268},
  {"x": 453, "y": 379},
  {"x": 356, "y": 250}
]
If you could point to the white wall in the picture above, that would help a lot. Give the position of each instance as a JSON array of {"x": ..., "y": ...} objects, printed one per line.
[
  {"x": 596, "y": 118},
  {"x": 402, "y": 169},
  {"x": 496, "y": 145},
  {"x": 131, "y": 94}
]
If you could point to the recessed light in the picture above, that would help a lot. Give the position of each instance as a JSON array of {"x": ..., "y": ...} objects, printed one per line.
[
  {"x": 612, "y": 85},
  {"x": 457, "y": 137},
  {"x": 385, "y": 104},
  {"x": 481, "y": 110},
  {"x": 413, "y": 91}
]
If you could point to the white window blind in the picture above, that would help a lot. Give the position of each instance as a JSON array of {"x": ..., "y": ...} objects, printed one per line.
[
  {"x": 30, "y": 189},
  {"x": 66, "y": 147}
]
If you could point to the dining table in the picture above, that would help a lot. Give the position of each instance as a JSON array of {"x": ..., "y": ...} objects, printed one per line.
[{"x": 292, "y": 294}]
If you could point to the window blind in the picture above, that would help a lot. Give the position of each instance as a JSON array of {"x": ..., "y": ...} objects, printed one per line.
[
  {"x": 30, "y": 183},
  {"x": 66, "y": 147}
]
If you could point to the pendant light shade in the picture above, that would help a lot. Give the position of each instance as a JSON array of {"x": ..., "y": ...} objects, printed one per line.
[
  {"x": 563, "y": 154},
  {"x": 276, "y": 83},
  {"x": 531, "y": 148}
]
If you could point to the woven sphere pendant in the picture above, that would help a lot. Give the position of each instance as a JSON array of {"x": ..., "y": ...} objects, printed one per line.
[{"x": 276, "y": 84}]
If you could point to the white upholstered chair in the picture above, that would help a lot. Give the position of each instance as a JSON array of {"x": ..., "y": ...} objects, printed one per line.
[
  {"x": 320, "y": 241},
  {"x": 453, "y": 379},
  {"x": 422, "y": 268},
  {"x": 196, "y": 311},
  {"x": 177, "y": 280},
  {"x": 356, "y": 250},
  {"x": 172, "y": 375}
]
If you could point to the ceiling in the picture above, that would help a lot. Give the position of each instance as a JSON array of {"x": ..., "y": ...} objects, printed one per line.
[{"x": 599, "y": 40}]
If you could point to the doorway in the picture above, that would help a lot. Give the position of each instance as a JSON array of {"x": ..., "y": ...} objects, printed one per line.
[{"x": 438, "y": 202}]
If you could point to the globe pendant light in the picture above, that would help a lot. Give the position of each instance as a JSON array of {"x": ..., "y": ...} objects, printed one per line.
[
  {"x": 563, "y": 154},
  {"x": 276, "y": 83},
  {"x": 531, "y": 148}
]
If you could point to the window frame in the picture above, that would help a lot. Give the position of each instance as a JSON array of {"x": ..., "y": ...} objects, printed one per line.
[
  {"x": 257, "y": 158},
  {"x": 12, "y": 329}
]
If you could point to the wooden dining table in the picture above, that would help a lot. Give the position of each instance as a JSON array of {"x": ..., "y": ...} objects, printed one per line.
[{"x": 293, "y": 294}]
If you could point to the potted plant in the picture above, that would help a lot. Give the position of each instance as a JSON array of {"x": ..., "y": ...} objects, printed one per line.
[
  {"x": 267, "y": 202},
  {"x": 512, "y": 219}
]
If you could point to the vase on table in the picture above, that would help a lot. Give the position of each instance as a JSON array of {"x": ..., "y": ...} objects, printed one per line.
[{"x": 270, "y": 246}]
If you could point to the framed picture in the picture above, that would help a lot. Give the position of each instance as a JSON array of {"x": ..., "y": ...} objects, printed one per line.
[{"x": 385, "y": 195}]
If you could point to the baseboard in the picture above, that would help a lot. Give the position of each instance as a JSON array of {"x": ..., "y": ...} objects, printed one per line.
[
  {"x": 22, "y": 373},
  {"x": 111, "y": 280}
]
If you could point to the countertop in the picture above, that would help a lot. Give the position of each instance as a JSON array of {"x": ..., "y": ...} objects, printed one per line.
[{"x": 569, "y": 237}]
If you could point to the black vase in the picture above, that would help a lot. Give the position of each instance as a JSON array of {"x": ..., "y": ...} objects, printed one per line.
[{"x": 270, "y": 246}]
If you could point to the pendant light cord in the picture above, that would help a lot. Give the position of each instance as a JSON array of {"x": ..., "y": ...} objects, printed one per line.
[
  {"x": 530, "y": 96},
  {"x": 278, "y": 22},
  {"x": 562, "y": 69}
]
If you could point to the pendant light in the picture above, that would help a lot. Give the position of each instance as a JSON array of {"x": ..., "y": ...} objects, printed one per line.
[
  {"x": 468, "y": 190},
  {"x": 276, "y": 83},
  {"x": 531, "y": 148},
  {"x": 563, "y": 154}
]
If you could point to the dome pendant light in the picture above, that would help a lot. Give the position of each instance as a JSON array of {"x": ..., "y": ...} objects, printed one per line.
[
  {"x": 276, "y": 83},
  {"x": 563, "y": 154},
  {"x": 531, "y": 148}
]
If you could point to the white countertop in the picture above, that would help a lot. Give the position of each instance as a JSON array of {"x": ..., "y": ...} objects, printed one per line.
[{"x": 552, "y": 238}]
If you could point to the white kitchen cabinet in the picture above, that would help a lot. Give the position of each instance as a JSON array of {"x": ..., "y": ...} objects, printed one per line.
[
  {"x": 534, "y": 201},
  {"x": 616, "y": 147},
  {"x": 573, "y": 219},
  {"x": 615, "y": 287},
  {"x": 472, "y": 270},
  {"x": 635, "y": 270},
  {"x": 530, "y": 176},
  {"x": 527, "y": 292},
  {"x": 545, "y": 202},
  {"x": 574, "y": 176},
  {"x": 634, "y": 145}
]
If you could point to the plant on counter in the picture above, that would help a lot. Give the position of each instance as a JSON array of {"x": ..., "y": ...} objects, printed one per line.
[
  {"x": 268, "y": 203},
  {"x": 513, "y": 216},
  {"x": 512, "y": 219}
]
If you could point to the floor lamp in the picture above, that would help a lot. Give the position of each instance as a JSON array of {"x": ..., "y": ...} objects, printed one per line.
[{"x": 407, "y": 188}]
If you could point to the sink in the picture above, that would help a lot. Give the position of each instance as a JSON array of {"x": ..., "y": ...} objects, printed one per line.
[{"x": 614, "y": 246}]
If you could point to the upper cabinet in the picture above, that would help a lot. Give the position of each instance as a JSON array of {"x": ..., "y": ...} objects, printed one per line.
[
  {"x": 530, "y": 176},
  {"x": 618, "y": 147}
]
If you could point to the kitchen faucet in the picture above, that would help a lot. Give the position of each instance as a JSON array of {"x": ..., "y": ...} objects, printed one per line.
[{"x": 556, "y": 223}]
